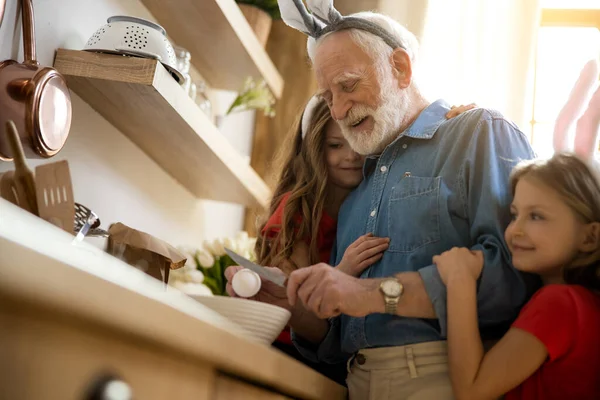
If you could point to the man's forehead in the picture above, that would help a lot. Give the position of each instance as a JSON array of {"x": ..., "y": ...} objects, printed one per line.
[{"x": 334, "y": 64}]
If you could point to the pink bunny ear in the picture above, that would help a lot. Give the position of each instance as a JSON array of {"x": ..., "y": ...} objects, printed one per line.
[
  {"x": 588, "y": 126},
  {"x": 574, "y": 105}
]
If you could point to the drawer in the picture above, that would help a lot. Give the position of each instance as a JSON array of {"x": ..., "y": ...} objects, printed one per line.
[{"x": 48, "y": 357}]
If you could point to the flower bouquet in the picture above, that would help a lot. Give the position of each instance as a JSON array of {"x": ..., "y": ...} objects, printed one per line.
[{"x": 204, "y": 272}]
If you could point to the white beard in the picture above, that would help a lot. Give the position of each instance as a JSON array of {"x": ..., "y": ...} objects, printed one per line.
[{"x": 387, "y": 118}]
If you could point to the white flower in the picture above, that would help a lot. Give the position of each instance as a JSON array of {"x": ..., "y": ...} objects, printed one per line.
[
  {"x": 242, "y": 238},
  {"x": 205, "y": 259},
  {"x": 218, "y": 249},
  {"x": 194, "y": 276},
  {"x": 208, "y": 247},
  {"x": 230, "y": 244}
]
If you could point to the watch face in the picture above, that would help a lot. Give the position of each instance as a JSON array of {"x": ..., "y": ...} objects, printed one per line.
[{"x": 391, "y": 288}]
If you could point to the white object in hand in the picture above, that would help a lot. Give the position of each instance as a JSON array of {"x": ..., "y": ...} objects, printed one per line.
[{"x": 246, "y": 283}]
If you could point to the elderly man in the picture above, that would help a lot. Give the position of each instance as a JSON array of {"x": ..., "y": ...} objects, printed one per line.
[{"x": 429, "y": 184}]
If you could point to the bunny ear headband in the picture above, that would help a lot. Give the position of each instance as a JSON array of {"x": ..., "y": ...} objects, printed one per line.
[
  {"x": 324, "y": 19},
  {"x": 309, "y": 110},
  {"x": 587, "y": 125}
]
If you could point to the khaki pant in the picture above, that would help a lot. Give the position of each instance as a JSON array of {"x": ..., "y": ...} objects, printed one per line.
[{"x": 413, "y": 372}]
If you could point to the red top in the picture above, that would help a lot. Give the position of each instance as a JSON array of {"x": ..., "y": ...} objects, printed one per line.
[
  {"x": 566, "y": 318},
  {"x": 325, "y": 239}
]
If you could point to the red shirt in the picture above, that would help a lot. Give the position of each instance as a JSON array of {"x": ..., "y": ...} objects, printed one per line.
[
  {"x": 325, "y": 239},
  {"x": 566, "y": 318}
]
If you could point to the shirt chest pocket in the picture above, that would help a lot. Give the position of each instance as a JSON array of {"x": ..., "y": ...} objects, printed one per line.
[{"x": 413, "y": 214}]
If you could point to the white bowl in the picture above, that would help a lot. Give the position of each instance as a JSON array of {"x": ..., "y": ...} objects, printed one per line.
[
  {"x": 263, "y": 322},
  {"x": 137, "y": 37}
]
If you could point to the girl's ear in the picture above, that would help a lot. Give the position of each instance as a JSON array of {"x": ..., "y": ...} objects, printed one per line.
[
  {"x": 591, "y": 238},
  {"x": 574, "y": 106}
]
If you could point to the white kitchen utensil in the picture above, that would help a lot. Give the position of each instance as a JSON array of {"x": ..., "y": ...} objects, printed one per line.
[
  {"x": 263, "y": 322},
  {"x": 137, "y": 37}
]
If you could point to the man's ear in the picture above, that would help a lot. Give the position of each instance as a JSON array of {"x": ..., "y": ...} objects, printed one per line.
[{"x": 402, "y": 67}]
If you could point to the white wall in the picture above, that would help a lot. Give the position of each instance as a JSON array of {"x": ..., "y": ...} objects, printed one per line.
[{"x": 110, "y": 174}]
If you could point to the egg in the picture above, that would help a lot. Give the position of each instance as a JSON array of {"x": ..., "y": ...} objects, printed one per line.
[{"x": 246, "y": 283}]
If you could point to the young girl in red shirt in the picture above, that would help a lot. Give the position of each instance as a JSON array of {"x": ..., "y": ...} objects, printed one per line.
[{"x": 552, "y": 350}]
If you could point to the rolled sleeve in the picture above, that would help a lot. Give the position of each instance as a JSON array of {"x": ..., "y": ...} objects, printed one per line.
[
  {"x": 328, "y": 351},
  {"x": 436, "y": 290},
  {"x": 495, "y": 148}
]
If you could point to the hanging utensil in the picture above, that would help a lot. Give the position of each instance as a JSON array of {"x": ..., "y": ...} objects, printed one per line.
[
  {"x": 23, "y": 179},
  {"x": 36, "y": 98},
  {"x": 87, "y": 223},
  {"x": 55, "y": 194}
]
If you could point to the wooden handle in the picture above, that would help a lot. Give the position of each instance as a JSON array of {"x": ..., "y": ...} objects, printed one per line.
[
  {"x": 15, "y": 145},
  {"x": 23, "y": 178}
]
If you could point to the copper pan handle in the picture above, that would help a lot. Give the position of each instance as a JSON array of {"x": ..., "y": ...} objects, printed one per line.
[{"x": 28, "y": 32}]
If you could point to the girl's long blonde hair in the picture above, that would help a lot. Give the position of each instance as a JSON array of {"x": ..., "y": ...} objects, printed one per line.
[
  {"x": 304, "y": 175},
  {"x": 577, "y": 184}
]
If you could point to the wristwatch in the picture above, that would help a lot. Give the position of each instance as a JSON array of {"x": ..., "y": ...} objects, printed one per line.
[{"x": 392, "y": 289}]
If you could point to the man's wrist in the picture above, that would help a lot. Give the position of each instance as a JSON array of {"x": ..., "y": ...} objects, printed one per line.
[{"x": 376, "y": 300}]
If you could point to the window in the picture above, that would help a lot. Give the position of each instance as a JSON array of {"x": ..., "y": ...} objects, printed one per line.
[{"x": 567, "y": 39}]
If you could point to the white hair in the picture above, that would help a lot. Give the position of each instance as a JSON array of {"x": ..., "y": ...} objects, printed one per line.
[{"x": 373, "y": 45}]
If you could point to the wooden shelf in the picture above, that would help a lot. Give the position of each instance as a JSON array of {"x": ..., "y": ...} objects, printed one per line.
[
  {"x": 140, "y": 98},
  {"x": 223, "y": 46}
]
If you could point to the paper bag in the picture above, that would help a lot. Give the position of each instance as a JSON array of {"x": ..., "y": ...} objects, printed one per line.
[{"x": 143, "y": 251}]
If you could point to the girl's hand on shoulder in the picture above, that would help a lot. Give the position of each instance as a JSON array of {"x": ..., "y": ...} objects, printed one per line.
[
  {"x": 456, "y": 111},
  {"x": 459, "y": 263},
  {"x": 364, "y": 252}
]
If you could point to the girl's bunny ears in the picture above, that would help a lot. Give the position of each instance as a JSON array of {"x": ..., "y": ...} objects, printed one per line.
[
  {"x": 324, "y": 18},
  {"x": 587, "y": 125},
  {"x": 307, "y": 115}
]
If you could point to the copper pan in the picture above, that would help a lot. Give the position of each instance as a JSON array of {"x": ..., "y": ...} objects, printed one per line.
[{"x": 36, "y": 98}]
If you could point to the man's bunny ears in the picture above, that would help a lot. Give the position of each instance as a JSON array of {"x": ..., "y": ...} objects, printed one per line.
[
  {"x": 324, "y": 18},
  {"x": 587, "y": 124}
]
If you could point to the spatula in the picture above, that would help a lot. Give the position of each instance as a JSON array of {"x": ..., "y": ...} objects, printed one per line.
[{"x": 55, "y": 194}]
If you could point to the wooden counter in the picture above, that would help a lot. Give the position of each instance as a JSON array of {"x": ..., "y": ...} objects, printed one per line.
[{"x": 72, "y": 316}]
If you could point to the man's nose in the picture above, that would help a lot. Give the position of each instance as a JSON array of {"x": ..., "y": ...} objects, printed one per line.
[{"x": 340, "y": 105}]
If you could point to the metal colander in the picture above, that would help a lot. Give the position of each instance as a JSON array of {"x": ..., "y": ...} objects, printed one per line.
[{"x": 135, "y": 37}]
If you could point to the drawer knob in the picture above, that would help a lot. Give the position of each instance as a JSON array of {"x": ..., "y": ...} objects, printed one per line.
[{"x": 110, "y": 388}]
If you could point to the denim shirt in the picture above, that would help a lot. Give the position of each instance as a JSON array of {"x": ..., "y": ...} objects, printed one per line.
[{"x": 441, "y": 183}]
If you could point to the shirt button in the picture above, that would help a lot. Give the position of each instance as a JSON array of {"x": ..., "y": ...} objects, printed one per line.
[
  {"x": 404, "y": 146},
  {"x": 373, "y": 213},
  {"x": 383, "y": 169},
  {"x": 360, "y": 359}
]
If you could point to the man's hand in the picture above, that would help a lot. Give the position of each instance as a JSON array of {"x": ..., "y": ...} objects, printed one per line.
[
  {"x": 364, "y": 252},
  {"x": 329, "y": 292},
  {"x": 459, "y": 263},
  {"x": 268, "y": 293}
]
